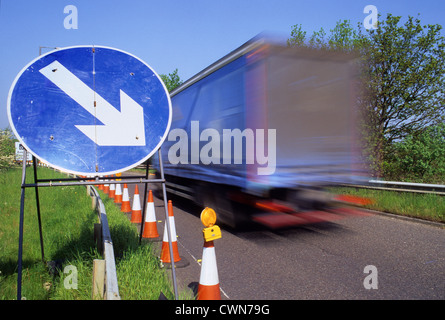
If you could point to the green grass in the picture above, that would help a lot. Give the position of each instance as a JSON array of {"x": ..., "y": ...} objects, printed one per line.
[
  {"x": 424, "y": 206},
  {"x": 67, "y": 224},
  {"x": 68, "y": 227}
]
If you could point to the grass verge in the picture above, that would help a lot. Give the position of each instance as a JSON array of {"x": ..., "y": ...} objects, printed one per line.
[
  {"x": 67, "y": 224},
  {"x": 429, "y": 207},
  {"x": 68, "y": 228}
]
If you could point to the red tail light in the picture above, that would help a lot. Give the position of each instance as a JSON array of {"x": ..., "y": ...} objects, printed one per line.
[{"x": 273, "y": 206}]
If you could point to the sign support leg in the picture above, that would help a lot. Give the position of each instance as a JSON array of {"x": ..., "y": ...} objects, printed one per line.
[
  {"x": 22, "y": 208},
  {"x": 34, "y": 162},
  {"x": 164, "y": 195},
  {"x": 144, "y": 205}
]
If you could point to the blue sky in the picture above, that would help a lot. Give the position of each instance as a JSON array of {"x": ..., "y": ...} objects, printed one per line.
[{"x": 168, "y": 34}]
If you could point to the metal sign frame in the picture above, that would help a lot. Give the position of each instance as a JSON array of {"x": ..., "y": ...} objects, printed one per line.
[{"x": 81, "y": 181}]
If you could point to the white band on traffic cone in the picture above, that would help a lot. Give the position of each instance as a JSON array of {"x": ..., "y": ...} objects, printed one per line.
[
  {"x": 151, "y": 215},
  {"x": 209, "y": 269},
  {"x": 171, "y": 221}
]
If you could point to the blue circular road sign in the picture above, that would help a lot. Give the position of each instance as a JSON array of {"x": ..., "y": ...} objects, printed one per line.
[{"x": 89, "y": 110}]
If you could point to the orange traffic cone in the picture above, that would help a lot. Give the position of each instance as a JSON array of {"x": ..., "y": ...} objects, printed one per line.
[
  {"x": 150, "y": 228},
  {"x": 106, "y": 187},
  {"x": 165, "y": 251},
  {"x": 125, "y": 200},
  {"x": 118, "y": 194},
  {"x": 112, "y": 191},
  {"x": 208, "y": 288},
  {"x": 136, "y": 212}
]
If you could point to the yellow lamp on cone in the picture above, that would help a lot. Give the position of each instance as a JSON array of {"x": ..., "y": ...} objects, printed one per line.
[{"x": 208, "y": 219}]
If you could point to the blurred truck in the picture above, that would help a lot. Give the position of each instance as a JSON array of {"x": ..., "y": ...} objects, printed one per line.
[{"x": 261, "y": 132}]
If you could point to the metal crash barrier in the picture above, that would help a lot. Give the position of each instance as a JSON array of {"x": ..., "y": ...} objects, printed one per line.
[{"x": 104, "y": 272}]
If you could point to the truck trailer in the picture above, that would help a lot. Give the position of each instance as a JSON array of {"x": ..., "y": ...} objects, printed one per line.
[{"x": 259, "y": 134}]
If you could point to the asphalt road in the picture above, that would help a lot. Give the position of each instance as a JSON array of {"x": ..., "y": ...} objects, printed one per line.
[{"x": 322, "y": 261}]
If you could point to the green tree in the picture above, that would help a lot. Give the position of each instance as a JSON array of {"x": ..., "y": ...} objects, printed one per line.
[
  {"x": 7, "y": 149},
  {"x": 297, "y": 36},
  {"x": 419, "y": 157},
  {"x": 172, "y": 80},
  {"x": 343, "y": 37},
  {"x": 402, "y": 80}
]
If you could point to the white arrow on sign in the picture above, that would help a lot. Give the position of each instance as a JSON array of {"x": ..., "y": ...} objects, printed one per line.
[{"x": 124, "y": 128}]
